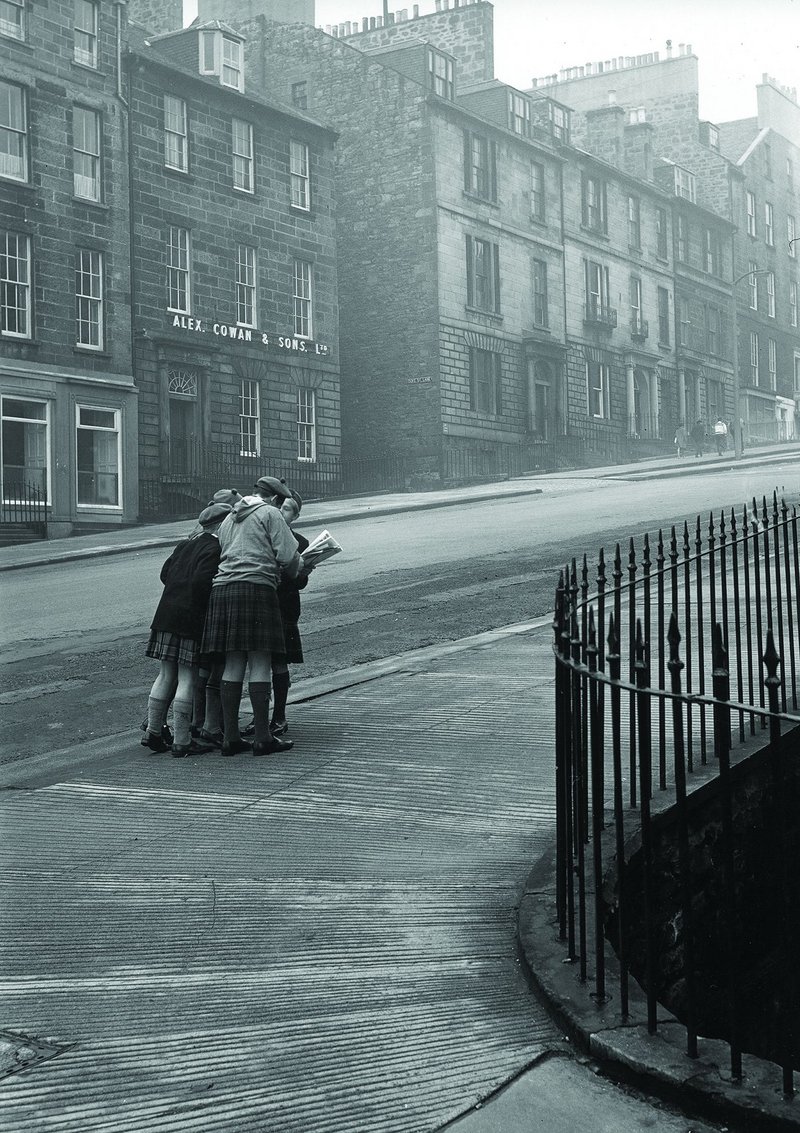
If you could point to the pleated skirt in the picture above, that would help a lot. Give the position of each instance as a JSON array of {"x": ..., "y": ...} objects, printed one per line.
[{"x": 242, "y": 617}]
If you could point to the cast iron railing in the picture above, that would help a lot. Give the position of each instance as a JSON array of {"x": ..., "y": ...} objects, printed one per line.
[
  {"x": 24, "y": 504},
  {"x": 667, "y": 662}
]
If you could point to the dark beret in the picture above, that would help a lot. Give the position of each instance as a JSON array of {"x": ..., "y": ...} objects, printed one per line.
[
  {"x": 275, "y": 486},
  {"x": 214, "y": 513}
]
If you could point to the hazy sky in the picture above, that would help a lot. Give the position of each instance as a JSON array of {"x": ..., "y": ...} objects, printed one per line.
[{"x": 735, "y": 40}]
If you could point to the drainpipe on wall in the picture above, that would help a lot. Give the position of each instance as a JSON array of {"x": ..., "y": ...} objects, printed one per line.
[
  {"x": 120, "y": 4},
  {"x": 120, "y": 8}
]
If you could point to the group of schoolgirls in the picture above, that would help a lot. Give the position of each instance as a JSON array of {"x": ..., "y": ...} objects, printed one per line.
[{"x": 230, "y": 605}]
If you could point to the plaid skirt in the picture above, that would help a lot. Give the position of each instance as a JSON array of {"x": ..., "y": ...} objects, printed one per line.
[
  {"x": 293, "y": 653},
  {"x": 242, "y": 617},
  {"x": 165, "y": 646}
]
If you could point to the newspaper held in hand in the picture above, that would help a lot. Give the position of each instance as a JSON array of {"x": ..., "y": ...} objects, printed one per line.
[{"x": 320, "y": 549}]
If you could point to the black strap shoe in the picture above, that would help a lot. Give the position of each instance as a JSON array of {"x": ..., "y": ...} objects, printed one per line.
[{"x": 273, "y": 746}]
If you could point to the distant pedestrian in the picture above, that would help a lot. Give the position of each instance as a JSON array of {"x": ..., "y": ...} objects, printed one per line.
[
  {"x": 721, "y": 436},
  {"x": 698, "y": 436},
  {"x": 680, "y": 439},
  {"x": 176, "y": 631},
  {"x": 736, "y": 432}
]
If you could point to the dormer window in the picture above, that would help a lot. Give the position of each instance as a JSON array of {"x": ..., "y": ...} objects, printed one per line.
[
  {"x": 685, "y": 184},
  {"x": 441, "y": 74},
  {"x": 222, "y": 55},
  {"x": 559, "y": 122},
  {"x": 519, "y": 114}
]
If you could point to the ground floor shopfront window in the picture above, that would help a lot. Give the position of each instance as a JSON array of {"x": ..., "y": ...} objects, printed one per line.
[
  {"x": 25, "y": 448},
  {"x": 98, "y": 456}
]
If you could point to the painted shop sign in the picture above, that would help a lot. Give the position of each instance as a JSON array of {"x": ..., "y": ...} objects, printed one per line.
[{"x": 286, "y": 342}]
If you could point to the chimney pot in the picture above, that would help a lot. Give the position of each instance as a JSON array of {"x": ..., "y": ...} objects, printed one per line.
[{"x": 415, "y": 10}]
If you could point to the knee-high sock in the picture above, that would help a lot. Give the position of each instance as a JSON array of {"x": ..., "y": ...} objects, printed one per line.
[
  {"x": 213, "y": 706},
  {"x": 231, "y": 696},
  {"x": 259, "y": 698},
  {"x": 156, "y": 714},
  {"x": 199, "y": 700},
  {"x": 280, "y": 687},
  {"x": 182, "y": 721}
]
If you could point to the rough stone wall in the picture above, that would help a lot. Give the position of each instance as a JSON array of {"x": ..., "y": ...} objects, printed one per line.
[
  {"x": 766, "y": 919},
  {"x": 237, "y": 11},
  {"x": 657, "y": 85},
  {"x": 669, "y": 92},
  {"x": 467, "y": 33},
  {"x": 219, "y": 217},
  {"x": 604, "y": 133},
  {"x": 157, "y": 16}
]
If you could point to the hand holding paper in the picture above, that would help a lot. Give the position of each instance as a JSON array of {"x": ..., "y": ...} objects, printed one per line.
[{"x": 320, "y": 549}]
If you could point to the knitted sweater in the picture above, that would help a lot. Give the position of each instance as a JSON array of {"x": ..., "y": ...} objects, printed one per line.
[{"x": 256, "y": 542}]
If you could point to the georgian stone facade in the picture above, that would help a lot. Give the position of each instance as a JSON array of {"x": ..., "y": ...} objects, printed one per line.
[
  {"x": 69, "y": 404},
  {"x": 235, "y": 282}
]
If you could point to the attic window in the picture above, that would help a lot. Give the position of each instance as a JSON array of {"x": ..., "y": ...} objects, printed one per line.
[
  {"x": 519, "y": 114},
  {"x": 440, "y": 74},
  {"x": 559, "y": 122},
  {"x": 685, "y": 184},
  {"x": 221, "y": 55},
  {"x": 713, "y": 137}
]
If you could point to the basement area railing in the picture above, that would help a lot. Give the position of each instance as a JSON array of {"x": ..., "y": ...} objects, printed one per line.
[{"x": 675, "y": 666}]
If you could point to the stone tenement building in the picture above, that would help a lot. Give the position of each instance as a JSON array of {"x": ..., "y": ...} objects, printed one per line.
[
  {"x": 745, "y": 172},
  {"x": 69, "y": 404},
  {"x": 234, "y": 272},
  {"x": 447, "y": 215},
  {"x": 767, "y": 151},
  {"x": 168, "y": 269},
  {"x": 475, "y": 315}
]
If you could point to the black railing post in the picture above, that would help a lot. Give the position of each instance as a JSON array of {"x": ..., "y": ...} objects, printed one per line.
[
  {"x": 562, "y": 793},
  {"x": 614, "y": 668},
  {"x": 737, "y": 621},
  {"x": 776, "y": 554},
  {"x": 684, "y": 865},
  {"x": 722, "y": 747},
  {"x": 569, "y": 766},
  {"x": 687, "y": 620},
  {"x": 632, "y": 666},
  {"x": 645, "y": 789},
  {"x": 579, "y": 764},
  {"x": 750, "y": 538},
  {"x": 796, "y": 573},
  {"x": 598, "y": 805},
  {"x": 790, "y": 602},
  {"x": 786, "y": 1001},
  {"x": 662, "y": 707},
  {"x": 701, "y": 660}
]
